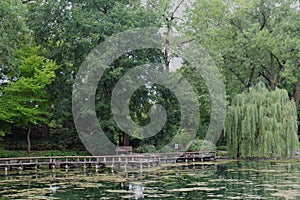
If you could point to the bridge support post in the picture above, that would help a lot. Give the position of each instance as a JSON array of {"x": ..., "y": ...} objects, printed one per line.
[
  {"x": 66, "y": 167},
  {"x": 126, "y": 163},
  {"x": 97, "y": 167}
]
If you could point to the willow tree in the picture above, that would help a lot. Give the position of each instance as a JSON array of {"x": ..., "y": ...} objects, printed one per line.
[{"x": 262, "y": 124}]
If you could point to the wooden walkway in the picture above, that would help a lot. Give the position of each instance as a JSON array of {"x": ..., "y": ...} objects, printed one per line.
[{"x": 124, "y": 162}]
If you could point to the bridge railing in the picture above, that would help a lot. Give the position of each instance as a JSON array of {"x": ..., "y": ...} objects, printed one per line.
[{"x": 110, "y": 159}]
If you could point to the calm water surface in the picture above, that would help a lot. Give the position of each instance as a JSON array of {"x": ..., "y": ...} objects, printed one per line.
[{"x": 230, "y": 180}]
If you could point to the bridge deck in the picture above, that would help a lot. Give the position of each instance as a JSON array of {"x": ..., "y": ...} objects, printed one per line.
[{"x": 132, "y": 160}]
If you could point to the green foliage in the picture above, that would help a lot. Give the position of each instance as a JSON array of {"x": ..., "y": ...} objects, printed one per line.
[
  {"x": 149, "y": 149},
  {"x": 65, "y": 138},
  {"x": 65, "y": 153},
  {"x": 146, "y": 149},
  {"x": 166, "y": 149},
  {"x": 24, "y": 101},
  {"x": 198, "y": 84},
  {"x": 203, "y": 145},
  {"x": 12, "y": 30},
  {"x": 262, "y": 124},
  {"x": 183, "y": 139},
  {"x": 11, "y": 154},
  {"x": 70, "y": 30},
  {"x": 250, "y": 40}
]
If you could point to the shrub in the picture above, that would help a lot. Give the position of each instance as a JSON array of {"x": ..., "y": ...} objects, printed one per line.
[
  {"x": 149, "y": 149},
  {"x": 166, "y": 149},
  {"x": 203, "y": 145},
  {"x": 145, "y": 149}
]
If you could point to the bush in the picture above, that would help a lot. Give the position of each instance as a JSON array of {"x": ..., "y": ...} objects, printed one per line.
[
  {"x": 4, "y": 153},
  {"x": 166, "y": 149},
  {"x": 138, "y": 150},
  {"x": 145, "y": 149},
  {"x": 222, "y": 148},
  {"x": 203, "y": 145},
  {"x": 65, "y": 153},
  {"x": 149, "y": 149}
]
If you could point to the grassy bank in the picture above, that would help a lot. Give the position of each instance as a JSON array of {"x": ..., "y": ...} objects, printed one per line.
[{"x": 21, "y": 153}]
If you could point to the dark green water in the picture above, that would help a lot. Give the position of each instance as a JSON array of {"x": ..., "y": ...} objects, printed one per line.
[{"x": 231, "y": 180}]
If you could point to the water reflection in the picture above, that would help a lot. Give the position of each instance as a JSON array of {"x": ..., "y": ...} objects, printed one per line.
[
  {"x": 54, "y": 188},
  {"x": 243, "y": 180},
  {"x": 138, "y": 191}
]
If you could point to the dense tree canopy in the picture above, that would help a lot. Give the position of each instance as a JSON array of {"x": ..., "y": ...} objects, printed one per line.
[
  {"x": 251, "y": 41},
  {"x": 43, "y": 44},
  {"x": 12, "y": 30},
  {"x": 25, "y": 73}
]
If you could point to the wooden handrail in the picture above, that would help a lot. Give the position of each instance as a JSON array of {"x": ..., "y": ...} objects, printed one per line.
[{"x": 145, "y": 155}]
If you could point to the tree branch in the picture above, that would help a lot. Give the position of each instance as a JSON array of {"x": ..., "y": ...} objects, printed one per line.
[
  {"x": 99, "y": 8},
  {"x": 28, "y": 1},
  {"x": 280, "y": 68},
  {"x": 237, "y": 75},
  {"x": 187, "y": 41},
  {"x": 263, "y": 22},
  {"x": 262, "y": 73},
  {"x": 251, "y": 77},
  {"x": 297, "y": 94},
  {"x": 177, "y": 7},
  {"x": 239, "y": 26}
]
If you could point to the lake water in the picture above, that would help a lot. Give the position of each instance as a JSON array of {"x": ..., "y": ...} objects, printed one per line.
[{"x": 219, "y": 180}]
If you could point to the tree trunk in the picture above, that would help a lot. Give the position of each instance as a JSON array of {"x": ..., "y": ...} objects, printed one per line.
[
  {"x": 46, "y": 127},
  {"x": 156, "y": 141},
  {"x": 121, "y": 139},
  {"x": 297, "y": 94},
  {"x": 125, "y": 139},
  {"x": 28, "y": 139},
  {"x": 272, "y": 72}
]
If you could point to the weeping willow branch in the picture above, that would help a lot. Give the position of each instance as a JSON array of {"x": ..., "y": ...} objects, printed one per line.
[{"x": 262, "y": 124}]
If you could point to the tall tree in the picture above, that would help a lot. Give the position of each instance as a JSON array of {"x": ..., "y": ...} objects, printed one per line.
[
  {"x": 169, "y": 14},
  {"x": 262, "y": 124},
  {"x": 24, "y": 100},
  {"x": 70, "y": 29},
  {"x": 251, "y": 41},
  {"x": 12, "y": 29}
]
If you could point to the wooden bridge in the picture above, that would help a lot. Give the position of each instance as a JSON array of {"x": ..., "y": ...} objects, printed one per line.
[{"x": 121, "y": 162}]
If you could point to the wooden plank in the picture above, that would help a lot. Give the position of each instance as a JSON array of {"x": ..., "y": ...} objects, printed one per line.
[{"x": 133, "y": 159}]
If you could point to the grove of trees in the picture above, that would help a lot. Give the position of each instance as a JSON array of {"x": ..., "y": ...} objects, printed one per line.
[{"x": 43, "y": 43}]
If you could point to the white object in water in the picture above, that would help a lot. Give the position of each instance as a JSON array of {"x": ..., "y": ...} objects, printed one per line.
[{"x": 54, "y": 188}]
